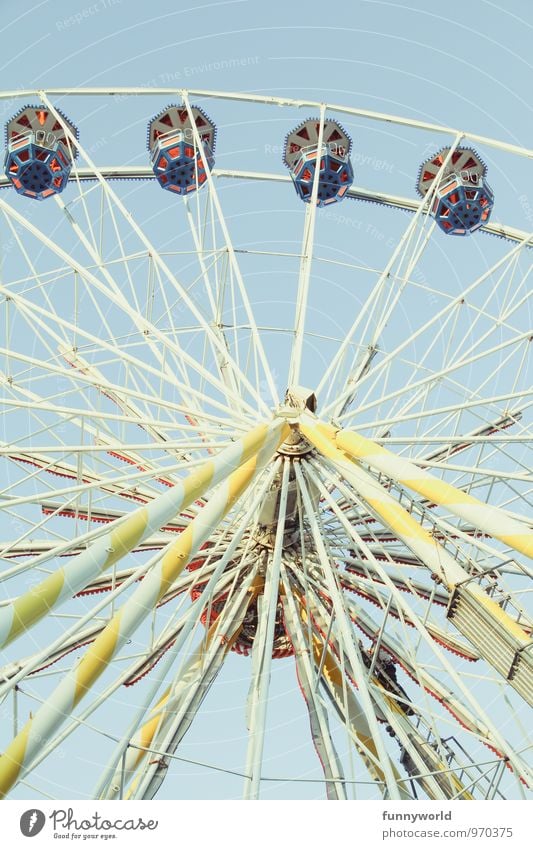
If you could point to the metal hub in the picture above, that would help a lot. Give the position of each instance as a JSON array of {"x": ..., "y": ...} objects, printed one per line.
[{"x": 295, "y": 445}]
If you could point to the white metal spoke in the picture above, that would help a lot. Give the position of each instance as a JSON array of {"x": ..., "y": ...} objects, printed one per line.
[
  {"x": 305, "y": 263},
  {"x": 234, "y": 264},
  {"x": 382, "y": 298},
  {"x": 419, "y": 625},
  {"x": 349, "y": 642},
  {"x": 263, "y": 653}
]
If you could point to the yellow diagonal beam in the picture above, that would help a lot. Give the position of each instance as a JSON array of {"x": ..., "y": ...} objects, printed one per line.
[
  {"x": 492, "y": 520},
  {"x": 127, "y": 619},
  {"x": 124, "y": 535},
  {"x": 341, "y": 693}
]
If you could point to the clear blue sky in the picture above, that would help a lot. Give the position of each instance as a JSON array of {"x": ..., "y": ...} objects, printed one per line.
[{"x": 469, "y": 63}]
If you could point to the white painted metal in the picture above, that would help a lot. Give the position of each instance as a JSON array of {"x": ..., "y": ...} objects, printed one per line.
[{"x": 263, "y": 651}]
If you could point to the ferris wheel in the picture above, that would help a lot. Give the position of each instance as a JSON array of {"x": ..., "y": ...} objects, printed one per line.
[{"x": 244, "y": 424}]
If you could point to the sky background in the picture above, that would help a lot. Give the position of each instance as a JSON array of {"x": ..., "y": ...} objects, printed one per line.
[
  {"x": 469, "y": 68},
  {"x": 463, "y": 65}
]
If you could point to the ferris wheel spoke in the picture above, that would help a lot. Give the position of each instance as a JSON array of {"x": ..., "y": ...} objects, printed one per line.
[
  {"x": 146, "y": 419},
  {"x": 367, "y": 589},
  {"x": 478, "y": 392},
  {"x": 192, "y": 619},
  {"x": 40, "y": 281},
  {"x": 464, "y": 393},
  {"x": 383, "y": 297},
  {"x": 482, "y": 516},
  {"x": 162, "y": 266},
  {"x": 169, "y": 712},
  {"x": 489, "y": 435},
  {"x": 472, "y": 720},
  {"x": 191, "y": 684},
  {"x": 74, "y": 686},
  {"x": 490, "y": 446},
  {"x": 325, "y": 672},
  {"x": 318, "y": 719},
  {"x": 119, "y": 300},
  {"x": 40, "y": 551},
  {"x": 399, "y": 650},
  {"x": 111, "y": 484},
  {"x": 467, "y": 592},
  {"x": 437, "y": 376},
  {"x": 141, "y": 321},
  {"x": 29, "y": 665},
  {"x": 421, "y": 399},
  {"x": 128, "y": 407},
  {"x": 79, "y": 636},
  {"x": 347, "y": 636},
  {"x": 448, "y": 410},
  {"x": 205, "y": 568},
  {"x": 430, "y": 384},
  {"x": 330, "y": 667},
  {"x": 107, "y": 446},
  {"x": 505, "y": 264},
  {"x": 451, "y": 449},
  {"x": 420, "y": 743},
  {"x": 104, "y": 477},
  {"x": 21, "y": 547},
  {"x": 103, "y": 444},
  {"x": 78, "y": 375},
  {"x": 170, "y": 640},
  {"x": 125, "y": 535},
  {"x": 385, "y": 304},
  {"x": 230, "y": 622},
  {"x": 229, "y": 374},
  {"x": 451, "y": 536},
  {"x": 213, "y": 193},
  {"x": 501, "y": 319},
  {"x": 262, "y": 652},
  {"x": 473, "y": 471},
  {"x": 505, "y": 361},
  {"x": 306, "y": 259},
  {"x": 393, "y": 516}
]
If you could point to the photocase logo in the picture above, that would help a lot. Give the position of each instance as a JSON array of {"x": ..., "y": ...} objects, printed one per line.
[{"x": 32, "y": 822}]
